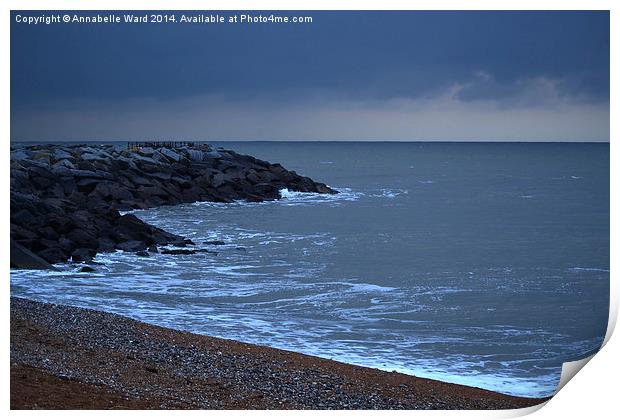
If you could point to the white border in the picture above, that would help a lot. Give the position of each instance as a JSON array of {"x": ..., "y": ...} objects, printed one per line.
[{"x": 592, "y": 394}]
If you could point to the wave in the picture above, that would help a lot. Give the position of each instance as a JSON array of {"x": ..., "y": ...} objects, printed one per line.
[
  {"x": 346, "y": 194},
  {"x": 387, "y": 193},
  {"x": 367, "y": 287},
  {"x": 578, "y": 269},
  {"x": 390, "y": 193},
  {"x": 296, "y": 198},
  {"x": 289, "y": 197}
]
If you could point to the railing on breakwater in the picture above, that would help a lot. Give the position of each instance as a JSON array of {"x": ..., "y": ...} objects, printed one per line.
[{"x": 137, "y": 145}]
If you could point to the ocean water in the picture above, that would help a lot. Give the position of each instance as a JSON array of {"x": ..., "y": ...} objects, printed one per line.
[{"x": 485, "y": 264}]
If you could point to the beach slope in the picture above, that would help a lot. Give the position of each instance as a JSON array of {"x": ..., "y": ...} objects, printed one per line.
[{"x": 64, "y": 357}]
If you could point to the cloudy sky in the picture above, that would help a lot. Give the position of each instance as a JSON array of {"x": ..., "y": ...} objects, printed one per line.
[{"x": 525, "y": 76}]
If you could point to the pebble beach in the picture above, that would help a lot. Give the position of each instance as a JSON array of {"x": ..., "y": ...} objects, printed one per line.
[{"x": 64, "y": 357}]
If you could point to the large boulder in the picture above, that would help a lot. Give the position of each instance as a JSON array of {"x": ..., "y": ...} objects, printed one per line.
[
  {"x": 131, "y": 246},
  {"x": 53, "y": 254},
  {"x": 173, "y": 156},
  {"x": 26, "y": 259},
  {"x": 83, "y": 254}
]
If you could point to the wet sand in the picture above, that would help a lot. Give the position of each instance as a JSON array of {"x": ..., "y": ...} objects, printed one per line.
[{"x": 64, "y": 357}]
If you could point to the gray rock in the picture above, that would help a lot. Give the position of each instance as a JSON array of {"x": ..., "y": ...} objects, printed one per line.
[
  {"x": 53, "y": 254},
  {"x": 170, "y": 154},
  {"x": 20, "y": 232},
  {"x": 104, "y": 174},
  {"x": 161, "y": 176},
  {"x": 106, "y": 245},
  {"x": 23, "y": 258},
  {"x": 146, "y": 159},
  {"x": 39, "y": 171},
  {"x": 60, "y": 154},
  {"x": 82, "y": 237},
  {"x": 98, "y": 157},
  {"x": 218, "y": 180},
  {"x": 146, "y": 151},
  {"x": 192, "y": 194},
  {"x": 75, "y": 173},
  {"x": 88, "y": 149},
  {"x": 213, "y": 155},
  {"x": 182, "y": 243},
  {"x": 253, "y": 177},
  {"x": 182, "y": 182},
  {"x": 324, "y": 189},
  {"x": 82, "y": 254},
  {"x": 19, "y": 154},
  {"x": 161, "y": 159},
  {"x": 177, "y": 251},
  {"x": 29, "y": 163},
  {"x": 43, "y": 183},
  {"x": 131, "y": 246},
  {"x": 127, "y": 163},
  {"x": 104, "y": 190},
  {"x": 117, "y": 149},
  {"x": 48, "y": 233},
  {"x": 68, "y": 185},
  {"x": 214, "y": 243},
  {"x": 141, "y": 181},
  {"x": 266, "y": 176},
  {"x": 43, "y": 157},
  {"x": 66, "y": 163},
  {"x": 86, "y": 182}
]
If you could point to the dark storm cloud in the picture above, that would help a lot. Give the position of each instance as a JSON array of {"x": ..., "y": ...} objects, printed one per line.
[{"x": 371, "y": 59}]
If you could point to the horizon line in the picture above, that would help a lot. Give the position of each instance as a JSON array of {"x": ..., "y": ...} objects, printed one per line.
[{"x": 310, "y": 141}]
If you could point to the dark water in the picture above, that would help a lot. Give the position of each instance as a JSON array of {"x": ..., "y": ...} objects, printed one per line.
[{"x": 482, "y": 264}]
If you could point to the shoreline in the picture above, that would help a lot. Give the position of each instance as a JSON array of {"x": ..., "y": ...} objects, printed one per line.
[{"x": 70, "y": 357}]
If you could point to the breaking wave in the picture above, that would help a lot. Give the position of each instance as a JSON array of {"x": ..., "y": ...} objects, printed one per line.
[{"x": 295, "y": 197}]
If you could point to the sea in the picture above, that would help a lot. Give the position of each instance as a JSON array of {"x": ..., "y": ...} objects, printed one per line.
[{"x": 483, "y": 264}]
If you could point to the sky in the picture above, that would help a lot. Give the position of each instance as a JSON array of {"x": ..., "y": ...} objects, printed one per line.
[{"x": 408, "y": 76}]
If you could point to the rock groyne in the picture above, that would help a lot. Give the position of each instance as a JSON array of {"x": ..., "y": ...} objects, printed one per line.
[{"x": 65, "y": 199}]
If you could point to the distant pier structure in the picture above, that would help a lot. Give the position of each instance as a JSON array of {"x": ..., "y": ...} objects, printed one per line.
[{"x": 137, "y": 145}]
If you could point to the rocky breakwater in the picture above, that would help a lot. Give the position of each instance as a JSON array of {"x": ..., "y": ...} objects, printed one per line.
[{"x": 65, "y": 200}]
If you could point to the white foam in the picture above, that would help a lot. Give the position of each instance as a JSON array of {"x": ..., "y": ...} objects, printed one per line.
[
  {"x": 604, "y": 270},
  {"x": 235, "y": 270},
  {"x": 287, "y": 194},
  {"x": 363, "y": 287},
  {"x": 296, "y": 197},
  {"x": 390, "y": 193}
]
